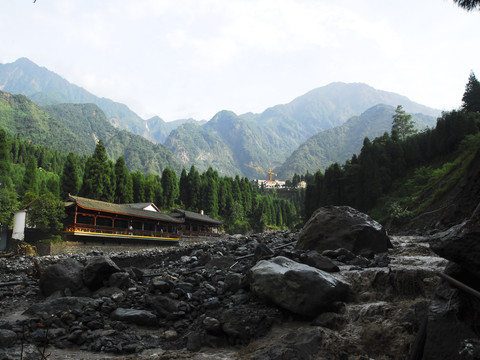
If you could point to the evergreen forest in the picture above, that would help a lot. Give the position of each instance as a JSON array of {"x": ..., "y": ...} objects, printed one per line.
[
  {"x": 29, "y": 172},
  {"x": 387, "y": 179}
]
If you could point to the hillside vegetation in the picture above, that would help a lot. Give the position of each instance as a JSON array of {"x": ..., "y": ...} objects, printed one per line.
[
  {"x": 338, "y": 144},
  {"x": 399, "y": 181},
  {"x": 77, "y": 128},
  {"x": 228, "y": 141},
  {"x": 268, "y": 139}
]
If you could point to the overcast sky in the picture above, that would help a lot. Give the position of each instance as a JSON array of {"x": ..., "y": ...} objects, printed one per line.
[{"x": 192, "y": 58}]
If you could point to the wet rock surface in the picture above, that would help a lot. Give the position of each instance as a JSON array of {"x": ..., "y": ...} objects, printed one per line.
[
  {"x": 196, "y": 302},
  {"x": 333, "y": 227},
  {"x": 451, "y": 327}
]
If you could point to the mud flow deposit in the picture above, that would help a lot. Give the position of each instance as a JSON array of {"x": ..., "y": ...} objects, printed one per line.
[{"x": 196, "y": 302}]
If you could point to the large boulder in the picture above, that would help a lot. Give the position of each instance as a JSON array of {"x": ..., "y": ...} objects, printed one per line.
[
  {"x": 333, "y": 227},
  {"x": 66, "y": 274},
  {"x": 97, "y": 271},
  {"x": 7, "y": 338},
  {"x": 452, "y": 330},
  {"x": 452, "y": 319},
  {"x": 460, "y": 244},
  {"x": 296, "y": 287}
]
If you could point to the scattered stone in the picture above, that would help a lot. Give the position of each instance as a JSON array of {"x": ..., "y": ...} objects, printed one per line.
[
  {"x": 170, "y": 335},
  {"x": 60, "y": 305},
  {"x": 202, "y": 298},
  {"x": 211, "y": 324},
  {"x": 119, "y": 280},
  {"x": 134, "y": 316},
  {"x": 318, "y": 261}
]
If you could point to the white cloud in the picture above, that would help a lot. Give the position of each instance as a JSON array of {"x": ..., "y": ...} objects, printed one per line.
[{"x": 198, "y": 57}]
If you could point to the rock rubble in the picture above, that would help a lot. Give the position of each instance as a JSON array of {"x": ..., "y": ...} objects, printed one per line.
[{"x": 206, "y": 296}]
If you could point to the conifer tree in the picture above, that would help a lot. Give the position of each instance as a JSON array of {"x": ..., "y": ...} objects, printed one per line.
[
  {"x": 99, "y": 177},
  {"x": 138, "y": 185},
  {"x": 30, "y": 179},
  {"x": 123, "y": 187},
  {"x": 184, "y": 189},
  {"x": 170, "y": 188},
  {"x": 5, "y": 165},
  {"x": 153, "y": 189},
  {"x": 69, "y": 180},
  {"x": 471, "y": 96},
  {"x": 402, "y": 125},
  {"x": 468, "y": 4},
  {"x": 210, "y": 192},
  {"x": 194, "y": 185},
  {"x": 8, "y": 204}
]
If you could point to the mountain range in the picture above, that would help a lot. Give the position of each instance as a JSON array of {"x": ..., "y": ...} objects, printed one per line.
[{"x": 325, "y": 125}]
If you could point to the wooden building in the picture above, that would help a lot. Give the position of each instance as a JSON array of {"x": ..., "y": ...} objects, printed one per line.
[
  {"x": 197, "y": 224},
  {"x": 142, "y": 221}
]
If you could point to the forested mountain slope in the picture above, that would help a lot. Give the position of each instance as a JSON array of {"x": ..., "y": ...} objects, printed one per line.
[
  {"x": 268, "y": 139},
  {"x": 77, "y": 128},
  {"x": 45, "y": 87},
  {"x": 264, "y": 140},
  {"x": 341, "y": 142}
]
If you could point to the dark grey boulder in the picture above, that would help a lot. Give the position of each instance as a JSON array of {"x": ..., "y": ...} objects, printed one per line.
[
  {"x": 333, "y": 227},
  {"x": 97, "y": 271},
  {"x": 66, "y": 274},
  {"x": 452, "y": 319},
  {"x": 299, "y": 288},
  {"x": 65, "y": 304},
  {"x": 318, "y": 261},
  {"x": 7, "y": 338},
  {"x": 460, "y": 244},
  {"x": 163, "y": 305},
  {"x": 110, "y": 292},
  {"x": 134, "y": 316},
  {"x": 120, "y": 280}
]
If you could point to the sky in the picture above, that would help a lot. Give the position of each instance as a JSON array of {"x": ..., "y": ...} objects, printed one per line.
[{"x": 192, "y": 58}]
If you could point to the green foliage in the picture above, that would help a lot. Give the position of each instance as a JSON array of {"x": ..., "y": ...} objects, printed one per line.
[
  {"x": 75, "y": 127},
  {"x": 123, "y": 183},
  {"x": 169, "y": 188},
  {"x": 8, "y": 204},
  {"x": 338, "y": 144},
  {"x": 98, "y": 179},
  {"x": 153, "y": 189},
  {"x": 53, "y": 239},
  {"x": 69, "y": 181},
  {"x": 402, "y": 125},
  {"x": 30, "y": 183},
  {"x": 378, "y": 172},
  {"x": 5, "y": 162},
  {"x": 471, "y": 96},
  {"x": 468, "y": 4},
  {"x": 46, "y": 213},
  {"x": 138, "y": 185}
]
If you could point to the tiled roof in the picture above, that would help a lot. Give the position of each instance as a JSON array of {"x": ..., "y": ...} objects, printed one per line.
[
  {"x": 123, "y": 209},
  {"x": 143, "y": 206},
  {"x": 190, "y": 215}
]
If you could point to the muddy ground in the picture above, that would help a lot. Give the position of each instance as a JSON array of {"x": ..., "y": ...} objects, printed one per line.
[{"x": 381, "y": 322}]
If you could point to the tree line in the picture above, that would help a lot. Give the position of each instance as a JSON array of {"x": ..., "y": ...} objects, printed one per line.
[
  {"x": 368, "y": 176},
  {"x": 29, "y": 172}
]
